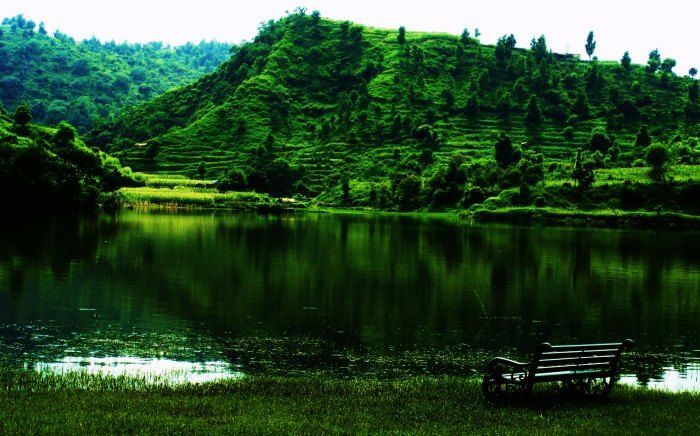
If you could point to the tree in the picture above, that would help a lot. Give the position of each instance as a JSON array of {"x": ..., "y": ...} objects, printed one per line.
[
  {"x": 590, "y": 45},
  {"x": 22, "y": 115},
  {"x": 65, "y": 135},
  {"x": 448, "y": 97},
  {"x": 401, "y": 38},
  {"x": 471, "y": 109},
  {"x": 667, "y": 65},
  {"x": 599, "y": 140},
  {"x": 539, "y": 48},
  {"x": 464, "y": 38},
  {"x": 504, "y": 47},
  {"x": 477, "y": 33},
  {"x": 345, "y": 188},
  {"x": 580, "y": 106},
  {"x": 626, "y": 61},
  {"x": 693, "y": 72},
  {"x": 534, "y": 115},
  {"x": 693, "y": 91},
  {"x": 583, "y": 173},
  {"x": 504, "y": 105},
  {"x": 654, "y": 61},
  {"x": 201, "y": 169},
  {"x": 657, "y": 156},
  {"x": 643, "y": 139},
  {"x": 406, "y": 189},
  {"x": 42, "y": 28},
  {"x": 504, "y": 153}
]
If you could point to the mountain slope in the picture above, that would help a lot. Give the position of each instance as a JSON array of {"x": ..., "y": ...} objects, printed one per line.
[
  {"x": 340, "y": 100},
  {"x": 81, "y": 82}
]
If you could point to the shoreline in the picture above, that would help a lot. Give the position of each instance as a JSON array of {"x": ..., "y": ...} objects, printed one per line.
[{"x": 529, "y": 216}]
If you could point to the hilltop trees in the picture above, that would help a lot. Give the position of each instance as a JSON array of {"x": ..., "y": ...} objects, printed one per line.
[
  {"x": 539, "y": 48},
  {"x": 107, "y": 76},
  {"x": 464, "y": 37},
  {"x": 401, "y": 38},
  {"x": 667, "y": 65},
  {"x": 654, "y": 61},
  {"x": 626, "y": 61},
  {"x": 590, "y": 45},
  {"x": 504, "y": 47},
  {"x": 692, "y": 72}
]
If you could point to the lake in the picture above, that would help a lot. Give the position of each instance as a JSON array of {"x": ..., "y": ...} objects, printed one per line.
[{"x": 208, "y": 295}]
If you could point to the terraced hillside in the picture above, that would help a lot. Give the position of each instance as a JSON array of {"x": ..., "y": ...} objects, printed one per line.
[{"x": 338, "y": 100}]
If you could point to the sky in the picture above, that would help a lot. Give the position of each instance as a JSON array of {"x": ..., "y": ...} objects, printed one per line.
[{"x": 619, "y": 25}]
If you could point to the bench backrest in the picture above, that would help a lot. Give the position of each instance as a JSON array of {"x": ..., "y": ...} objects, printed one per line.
[{"x": 599, "y": 358}]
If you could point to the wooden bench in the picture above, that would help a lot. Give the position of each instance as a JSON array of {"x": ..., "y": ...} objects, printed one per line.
[{"x": 586, "y": 369}]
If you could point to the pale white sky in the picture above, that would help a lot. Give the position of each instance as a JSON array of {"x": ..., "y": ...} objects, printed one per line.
[{"x": 619, "y": 25}]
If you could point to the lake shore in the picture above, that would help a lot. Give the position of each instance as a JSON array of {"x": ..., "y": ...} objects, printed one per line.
[
  {"x": 311, "y": 405},
  {"x": 593, "y": 218},
  {"x": 163, "y": 198}
]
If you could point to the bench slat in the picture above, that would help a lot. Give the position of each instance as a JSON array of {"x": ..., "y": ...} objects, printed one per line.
[
  {"x": 566, "y": 375},
  {"x": 585, "y": 346},
  {"x": 573, "y": 368},
  {"x": 573, "y": 360},
  {"x": 592, "y": 352}
]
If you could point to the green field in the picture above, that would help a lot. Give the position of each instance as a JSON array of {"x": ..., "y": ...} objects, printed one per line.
[{"x": 89, "y": 404}]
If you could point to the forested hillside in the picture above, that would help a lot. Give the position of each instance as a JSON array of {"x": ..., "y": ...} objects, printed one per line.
[
  {"x": 316, "y": 106},
  {"x": 51, "y": 168},
  {"x": 83, "y": 81}
]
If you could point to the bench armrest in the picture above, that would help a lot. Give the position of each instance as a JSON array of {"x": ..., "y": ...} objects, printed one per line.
[{"x": 507, "y": 364}]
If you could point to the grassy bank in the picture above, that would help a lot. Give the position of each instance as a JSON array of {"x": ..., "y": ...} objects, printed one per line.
[
  {"x": 598, "y": 218},
  {"x": 89, "y": 404}
]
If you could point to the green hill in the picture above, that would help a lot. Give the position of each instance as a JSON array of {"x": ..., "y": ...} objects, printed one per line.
[
  {"x": 336, "y": 101},
  {"x": 81, "y": 82}
]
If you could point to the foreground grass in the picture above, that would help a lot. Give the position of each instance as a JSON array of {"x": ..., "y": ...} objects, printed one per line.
[{"x": 90, "y": 404}]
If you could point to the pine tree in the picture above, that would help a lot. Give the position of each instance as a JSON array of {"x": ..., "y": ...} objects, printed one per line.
[
  {"x": 590, "y": 45},
  {"x": 626, "y": 61},
  {"x": 464, "y": 38},
  {"x": 401, "y": 38}
]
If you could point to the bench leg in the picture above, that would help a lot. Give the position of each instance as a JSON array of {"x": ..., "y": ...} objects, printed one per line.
[
  {"x": 590, "y": 387},
  {"x": 495, "y": 389}
]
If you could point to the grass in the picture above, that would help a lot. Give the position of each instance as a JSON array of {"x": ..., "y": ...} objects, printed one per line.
[
  {"x": 31, "y": 403},
  {"x": 599, "y": 217},
  {"x": 187, "y": 197}
]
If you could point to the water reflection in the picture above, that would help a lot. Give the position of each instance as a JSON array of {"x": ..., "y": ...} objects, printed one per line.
[
  {"x": 312, "y": 292},
  {"x": 151, "y": 370}
]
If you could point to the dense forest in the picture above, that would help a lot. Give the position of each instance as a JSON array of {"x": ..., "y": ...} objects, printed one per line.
[
  {"x": 84, "y": 81},
  {"x": 51, "y": 168},
  {"x": 390, "y": 117}
]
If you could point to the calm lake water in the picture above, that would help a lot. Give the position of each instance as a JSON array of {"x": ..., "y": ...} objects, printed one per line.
[{"x": 207, "y": 295}]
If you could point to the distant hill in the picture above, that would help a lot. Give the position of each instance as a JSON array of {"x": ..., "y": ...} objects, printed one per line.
[
  {"x": 81, "y": 82},
  {"x": 338, "y": 100}
]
